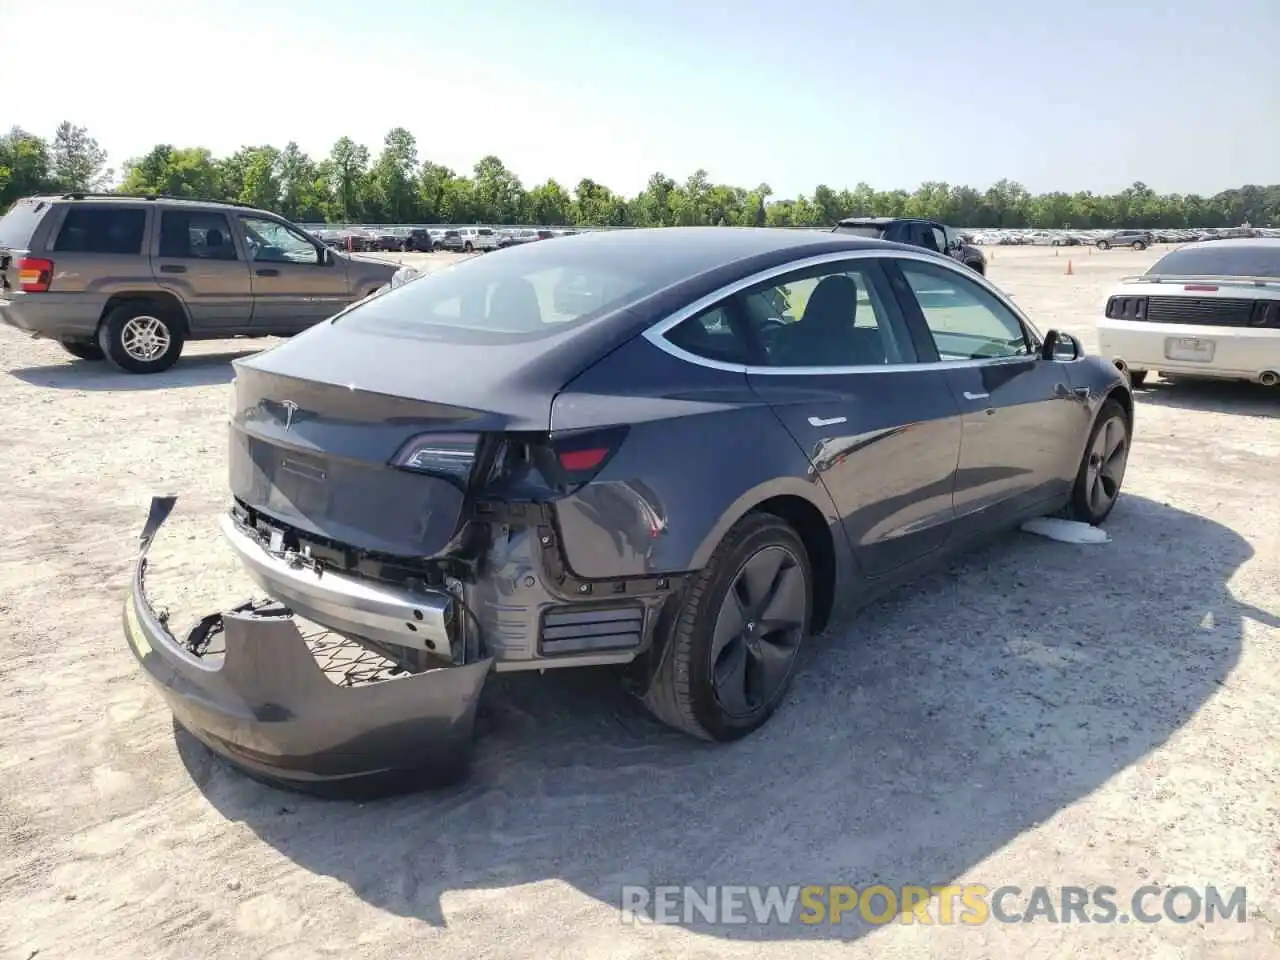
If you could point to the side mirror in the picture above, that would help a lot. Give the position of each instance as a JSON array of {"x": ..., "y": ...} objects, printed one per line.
[{"x": 1061, "y": 347}]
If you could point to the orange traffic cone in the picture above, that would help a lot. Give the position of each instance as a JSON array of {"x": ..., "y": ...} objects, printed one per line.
[{"x": 1070, "y": 272}]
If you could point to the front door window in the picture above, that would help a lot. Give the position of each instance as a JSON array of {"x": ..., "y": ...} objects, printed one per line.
[{"x": 270, "y": 241}]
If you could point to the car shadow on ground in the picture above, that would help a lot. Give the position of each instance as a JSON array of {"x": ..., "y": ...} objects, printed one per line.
[
  {"x": 918, "y": 739},
  {"x": 200, "y": 370},
  {"x": 1215, "y": 396}
]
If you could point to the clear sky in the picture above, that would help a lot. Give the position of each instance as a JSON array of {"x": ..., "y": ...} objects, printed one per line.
[{"x": 1057, "y": 94}]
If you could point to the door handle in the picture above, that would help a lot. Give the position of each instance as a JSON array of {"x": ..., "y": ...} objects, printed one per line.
[
  {"x": 267, "y": 272},
  {"x": 976, "y": 396},
  {"x": 172, "y": 268}
]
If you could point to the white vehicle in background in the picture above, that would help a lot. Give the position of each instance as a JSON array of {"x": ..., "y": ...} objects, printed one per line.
[
  {"x": 478, "y": 238},
  {"x": 1204, "y": 310}
]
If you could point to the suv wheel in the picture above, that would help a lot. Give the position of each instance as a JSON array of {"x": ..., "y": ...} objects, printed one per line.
[
  {"x": 1103, "y": 245},
  {"x": 141, "y": 337},
  {"x": 82, "y": 349},
  {"x": 733, "y": 645},
  {"x": 1139, "y": 245},
  {"x": 468, "y": 247}
]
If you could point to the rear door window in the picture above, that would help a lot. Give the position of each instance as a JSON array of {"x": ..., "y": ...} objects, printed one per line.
[
  {"x": 196, "y": 235},
  {"x": 19, "y": 224},
  {"x": 710, "y": 335},
  {"x": 898, "y": 232},
  {"x": 835, "y": 315},
  {"x": 112, "y": 229}
]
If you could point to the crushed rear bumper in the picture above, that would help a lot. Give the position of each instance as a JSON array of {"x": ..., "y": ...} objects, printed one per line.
[{"x": 266, "y": 703}]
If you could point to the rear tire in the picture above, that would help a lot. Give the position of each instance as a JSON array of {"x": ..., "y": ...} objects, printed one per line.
[
  {"x": 468, "y": 248},
  {"x": 694, "y": 689},
  {"x": 1101, "y": 473},
  {"x": 141, "y": 337},
  {"x": 1103, "y": 245},
  {"x": 1137, "y": 377},
  {"x": 1139, "y": 245},
  {"x": 82, "y": 349}
]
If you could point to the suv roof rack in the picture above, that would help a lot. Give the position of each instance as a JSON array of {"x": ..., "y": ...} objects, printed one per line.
[{"x": 107, "y": 195}]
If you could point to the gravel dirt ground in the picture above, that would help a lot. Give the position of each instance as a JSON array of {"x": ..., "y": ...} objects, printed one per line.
[{"x": 1036, "y": 713}]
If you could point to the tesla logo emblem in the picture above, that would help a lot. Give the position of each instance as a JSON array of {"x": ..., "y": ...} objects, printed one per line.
[{"x": 290, "y": 408}]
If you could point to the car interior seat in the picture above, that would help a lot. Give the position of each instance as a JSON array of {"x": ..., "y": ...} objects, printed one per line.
[
  {"x": 825, "y": 335},
  {"x": 514, "y": 305}
]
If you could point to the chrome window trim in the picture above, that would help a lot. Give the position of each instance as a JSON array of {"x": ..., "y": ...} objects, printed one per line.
[{"x": 656, "y": 334}]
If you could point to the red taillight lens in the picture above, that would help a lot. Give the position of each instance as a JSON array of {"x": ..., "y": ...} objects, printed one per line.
[
  {"x": 1200, "y": 287},
  {"x": 580, "y": 456},
  {"x": 576, "y": 461},
  {"x": 34, "y": 274}
]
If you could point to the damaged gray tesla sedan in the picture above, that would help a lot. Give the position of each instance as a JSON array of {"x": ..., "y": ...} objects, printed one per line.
[{"x": 680, "y": 451}]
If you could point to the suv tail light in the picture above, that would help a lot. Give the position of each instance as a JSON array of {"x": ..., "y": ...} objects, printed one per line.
[
  {"x": 1127, "y": 308},
  {"x": 35, "y": 275}
]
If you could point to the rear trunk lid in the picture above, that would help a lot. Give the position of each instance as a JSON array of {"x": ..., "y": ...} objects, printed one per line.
[{"x": 321, "y": 422}]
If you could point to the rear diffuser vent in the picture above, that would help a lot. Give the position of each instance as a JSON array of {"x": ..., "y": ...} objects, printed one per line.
[{"x": 587, "y": 629}]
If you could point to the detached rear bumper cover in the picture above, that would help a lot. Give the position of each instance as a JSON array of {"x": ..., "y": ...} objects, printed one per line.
[{"x": 267, "y": 706}]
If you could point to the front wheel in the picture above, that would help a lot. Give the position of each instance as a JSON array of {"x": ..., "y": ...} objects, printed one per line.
[
  {"x": 733, "y": 646},
  {"x": 1103, "y": 245},
  {"x": 1139, "y": 245},
  {"x": 141, "y": 337},
  {"x": 467, "y": 247},
  {"x": 1101, "y": 472}
]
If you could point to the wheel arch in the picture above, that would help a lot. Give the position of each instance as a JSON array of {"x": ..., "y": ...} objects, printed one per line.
[
  {"x": 808, "y": 509},
  {"x": 163, "y": 299}
]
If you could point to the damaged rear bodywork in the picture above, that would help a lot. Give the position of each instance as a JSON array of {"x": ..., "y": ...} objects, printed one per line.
[{"x": 315, "y": 710}]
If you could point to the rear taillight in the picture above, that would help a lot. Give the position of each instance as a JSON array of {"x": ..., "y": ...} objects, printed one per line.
[
  {"x": 34, "y": 274},
  {"x": 1127, "y": 308},
  {"x": 580, "y": 456},
  {"x": 448, "y": 455},
  {"x": 1200, "y": 288}
]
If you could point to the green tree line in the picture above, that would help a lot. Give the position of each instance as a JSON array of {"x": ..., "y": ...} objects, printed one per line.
[{"x": 351, "y": 185}]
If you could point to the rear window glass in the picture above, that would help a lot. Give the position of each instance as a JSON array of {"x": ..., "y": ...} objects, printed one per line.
[
  {"x": 856, "y": 231},
  {"x": 102, "y": 230},
  {"x": 1220, "y": 261},
  {"x": 527, "y": 293},
  {"x": 19, "y": 223}
]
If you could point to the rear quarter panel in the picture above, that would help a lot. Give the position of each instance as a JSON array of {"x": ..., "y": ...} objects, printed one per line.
[{"x": 702, "y": 451}]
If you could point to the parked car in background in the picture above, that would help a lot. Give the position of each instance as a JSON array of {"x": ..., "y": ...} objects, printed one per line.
[
  {"x": 1204, "y": 310},
  {"x": 418, "y": 240},
  {"x": 581, "y": 479},
  {"x": 514, "y": 237},
  {"x": 450, "y": 240},
  {"x": 1134, "y": 239},
  {"x": 132, "y": 278},
  {"x": 478, "y": 238},
  {"x": 918, "y": 233},
  {"x": 386, "y": 241}
]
